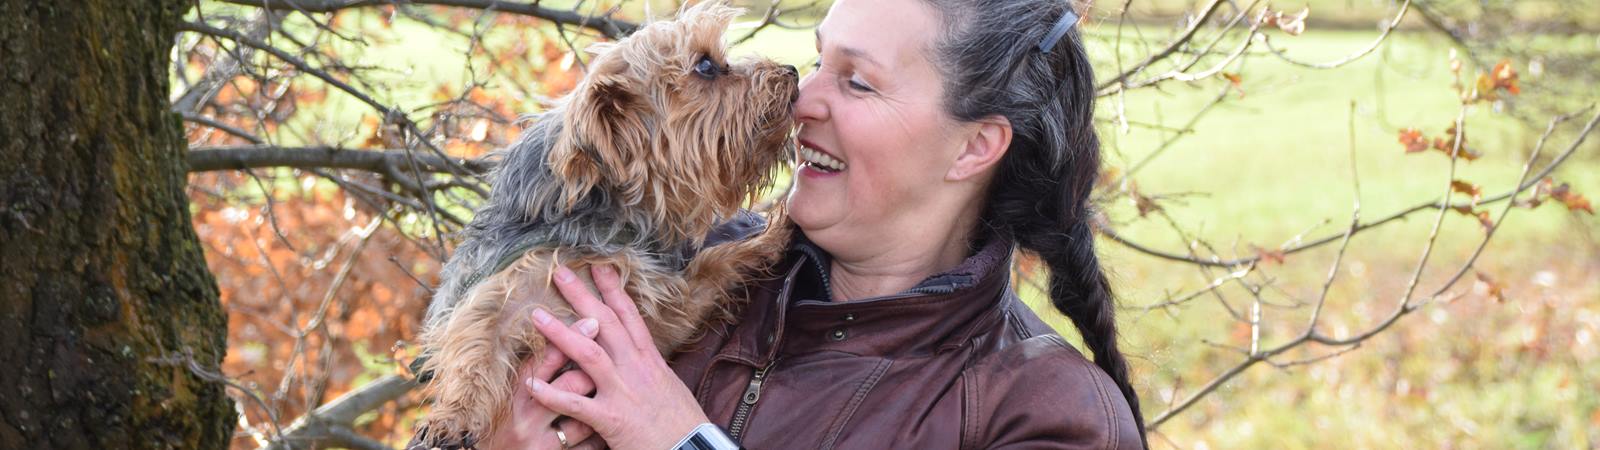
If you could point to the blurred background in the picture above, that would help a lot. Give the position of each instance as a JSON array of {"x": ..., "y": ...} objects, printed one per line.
[{"x": 1305, "y": 253}]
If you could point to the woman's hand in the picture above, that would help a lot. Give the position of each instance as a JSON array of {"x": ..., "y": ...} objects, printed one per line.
[
  {"x": 532, "y": 425},
  {"x": 639, "y": 402}
]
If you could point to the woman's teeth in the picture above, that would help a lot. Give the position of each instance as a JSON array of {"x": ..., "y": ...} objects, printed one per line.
[{"x": 820, "y": 160}]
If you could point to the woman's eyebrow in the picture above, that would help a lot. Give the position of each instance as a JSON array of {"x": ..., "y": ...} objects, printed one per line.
[{"x": 852, "y": 52}]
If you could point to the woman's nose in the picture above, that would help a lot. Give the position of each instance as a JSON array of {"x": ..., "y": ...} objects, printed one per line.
[{"x": 811, "y": 106}]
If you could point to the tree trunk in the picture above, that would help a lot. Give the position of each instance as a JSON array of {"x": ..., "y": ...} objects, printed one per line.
[{"x": 105, "y": 299}]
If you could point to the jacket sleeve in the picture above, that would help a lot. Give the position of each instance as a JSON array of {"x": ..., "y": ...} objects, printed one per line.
[{"x": 1042, "y": 394}]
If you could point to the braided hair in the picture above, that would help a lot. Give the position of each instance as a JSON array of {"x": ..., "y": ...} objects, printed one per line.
[{"x": 1039, "y": 196}]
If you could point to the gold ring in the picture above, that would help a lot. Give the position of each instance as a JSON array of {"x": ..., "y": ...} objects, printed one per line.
[{"x": 562, "y": 436}]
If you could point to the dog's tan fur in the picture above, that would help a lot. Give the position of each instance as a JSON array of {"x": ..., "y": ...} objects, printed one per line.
[{"x": 645, "y": 128}]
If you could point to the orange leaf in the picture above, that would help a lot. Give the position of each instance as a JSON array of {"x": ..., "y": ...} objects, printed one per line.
[
  {"x": 1505, "y": 77},
  {"x": 1573, "y": 200},
  {"x": 388, "y": 14},
  {"x": 375, "y": 139},
  {"x": 1143, "y": 203},
  {"x": 442, "y": 93},
  {"x": 1483, "y": 89},
  {"x": 1483, "y": 219},
  {"x": 1482, "y": 216},
  {"x": 1413, "y": 140},
  {"x": 1467, "y": 188},
  {"x": 1447, "y": 144},
  {"x": 1107, "y": 176},
  {"x": 1235, "y": 80}
]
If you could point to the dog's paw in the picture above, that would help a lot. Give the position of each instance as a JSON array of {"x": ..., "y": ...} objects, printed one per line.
[{"x": 436, "y": 437}]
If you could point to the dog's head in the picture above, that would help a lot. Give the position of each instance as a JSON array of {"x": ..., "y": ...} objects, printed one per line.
[{"x": 669, "y": 127}]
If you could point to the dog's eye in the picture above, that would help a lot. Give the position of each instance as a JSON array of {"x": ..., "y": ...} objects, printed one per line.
[{"x": 706, "y": 68}]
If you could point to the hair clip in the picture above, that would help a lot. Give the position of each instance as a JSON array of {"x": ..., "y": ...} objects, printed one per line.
[{"x": 1060, "y": 29}]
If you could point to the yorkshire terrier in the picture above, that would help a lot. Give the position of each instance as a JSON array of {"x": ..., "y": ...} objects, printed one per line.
[{"x": 660, "y": 141}]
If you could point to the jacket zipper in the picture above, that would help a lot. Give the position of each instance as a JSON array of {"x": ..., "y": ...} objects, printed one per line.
[{"x": 752, "y": 394}]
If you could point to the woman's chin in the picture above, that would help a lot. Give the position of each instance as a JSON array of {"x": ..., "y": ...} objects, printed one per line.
[{"x": 812, "y": 212}]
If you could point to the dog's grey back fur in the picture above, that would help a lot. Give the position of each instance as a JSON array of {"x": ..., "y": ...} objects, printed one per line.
[{"x": 525, "y": 203}]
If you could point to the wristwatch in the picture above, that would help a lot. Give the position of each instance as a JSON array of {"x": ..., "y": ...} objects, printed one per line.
[{"x": 707, "y": 436}]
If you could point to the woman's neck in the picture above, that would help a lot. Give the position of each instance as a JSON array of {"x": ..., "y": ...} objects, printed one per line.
[{"x": 897, "y": 270}]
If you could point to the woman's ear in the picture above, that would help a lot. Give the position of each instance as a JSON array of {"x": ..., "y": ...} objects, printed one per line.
[{"x": 983, "y": 149}]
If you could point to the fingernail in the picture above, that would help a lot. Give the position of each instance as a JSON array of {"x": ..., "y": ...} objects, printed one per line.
[
  {"x": 588, "y": 326},
  {"x": 563, "y": 274},
  {"x": 533, "y": 384},
  {"x": 605, "y": 269},
  {"x": 539, "y": 315}
]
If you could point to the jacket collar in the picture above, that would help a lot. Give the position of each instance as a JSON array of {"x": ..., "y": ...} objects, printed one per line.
[{"x": 791, "y": 315}]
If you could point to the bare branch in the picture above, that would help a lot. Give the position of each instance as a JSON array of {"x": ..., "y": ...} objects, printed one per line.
[
  {"x": 1180, "y": 73},
  {"x": 330, "y": 425},
  {"x": 285, "y": 56},
  {"x": 1435, "y": 20},
  {"x": 364, "y": 236},
  {"x": 1404, "y": 7},
  {"x": 606, "y": 25},
  {"x": 1172, "y": 48},
  {"x": 186, "y": 360},
  {"x": 205, "y": 159},
  {"x": 223, "y": 127},
  {"x": 223, "y": 69}
]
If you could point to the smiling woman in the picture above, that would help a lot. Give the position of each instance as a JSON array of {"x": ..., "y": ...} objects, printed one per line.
[
  {"x": 874, "y": 104},
  {"x": 933, "y": 147}
]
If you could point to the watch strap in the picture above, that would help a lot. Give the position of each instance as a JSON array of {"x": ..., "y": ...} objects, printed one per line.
[{"x": 707, "y": 436}]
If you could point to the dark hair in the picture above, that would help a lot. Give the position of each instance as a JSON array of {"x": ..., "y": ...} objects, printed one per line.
[{"x": 992, "y": 66}]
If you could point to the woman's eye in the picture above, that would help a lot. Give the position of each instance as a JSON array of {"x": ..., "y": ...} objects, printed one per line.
[
  {"x": 706, "y": 68},
  {"x": 857, "y": 84}
]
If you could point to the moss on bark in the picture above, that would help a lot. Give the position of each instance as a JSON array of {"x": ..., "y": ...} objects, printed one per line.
[{"x": 101, "y": 275}]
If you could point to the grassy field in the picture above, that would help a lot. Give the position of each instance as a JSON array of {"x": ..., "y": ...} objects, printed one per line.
[{"x": 1274, "y": 162}]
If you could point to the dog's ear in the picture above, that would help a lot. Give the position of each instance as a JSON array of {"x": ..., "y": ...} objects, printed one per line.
[{"x": 604, "y": 133}]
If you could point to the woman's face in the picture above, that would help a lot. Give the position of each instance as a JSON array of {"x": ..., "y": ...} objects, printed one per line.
[{"x": 873, "y": 107}]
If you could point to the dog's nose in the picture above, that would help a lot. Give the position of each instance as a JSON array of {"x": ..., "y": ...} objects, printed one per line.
[{"x": 792, "y": 71}]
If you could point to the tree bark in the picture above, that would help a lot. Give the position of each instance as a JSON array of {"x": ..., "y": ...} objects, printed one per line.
[{"x": 105, "y": 298}]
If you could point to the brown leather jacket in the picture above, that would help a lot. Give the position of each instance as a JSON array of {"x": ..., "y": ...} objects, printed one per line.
[{"x": 956, "y": 362}]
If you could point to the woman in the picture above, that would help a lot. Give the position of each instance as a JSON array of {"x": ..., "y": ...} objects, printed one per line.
[{"x": 962, "y": 130}]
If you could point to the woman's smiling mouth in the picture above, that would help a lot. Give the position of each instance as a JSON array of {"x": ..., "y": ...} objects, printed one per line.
[{"x": 822, "y": 161}]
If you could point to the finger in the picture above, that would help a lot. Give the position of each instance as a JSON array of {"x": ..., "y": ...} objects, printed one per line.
[
  {"x": 574, "y": 381},
  {"x": 609, "y": 282},
  {"x": 580, "y": 349},
  {"x": 585, "y": 304},
  {"x": 576, "y": 431},
  {"x": 547, "y": 365},
  {"x": 552, "y": 361},
  {"x": 579, "y": 407},
  {"x": 593, "y": 443}
]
